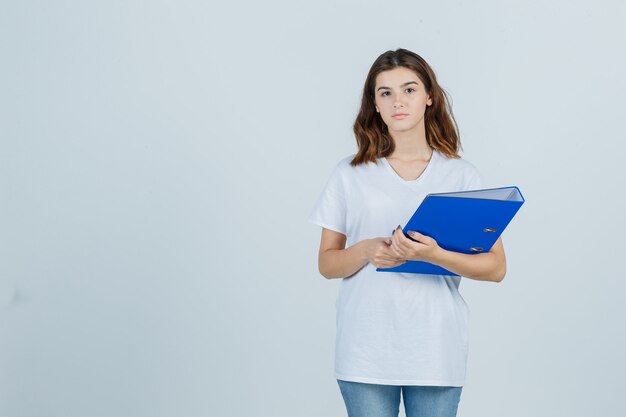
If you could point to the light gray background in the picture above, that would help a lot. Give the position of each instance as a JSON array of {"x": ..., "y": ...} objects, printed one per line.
[{"x": 158, "y": 161}]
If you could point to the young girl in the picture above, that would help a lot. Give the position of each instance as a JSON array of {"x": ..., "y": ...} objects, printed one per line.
[{"x": 398, "y": 333}]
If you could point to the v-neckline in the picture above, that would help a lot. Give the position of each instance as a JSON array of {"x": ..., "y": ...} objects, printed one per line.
[{"x": 417, "y": 180}]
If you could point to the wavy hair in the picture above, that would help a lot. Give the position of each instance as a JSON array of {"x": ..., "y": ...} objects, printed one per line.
[{"x": 370, "y": 130}]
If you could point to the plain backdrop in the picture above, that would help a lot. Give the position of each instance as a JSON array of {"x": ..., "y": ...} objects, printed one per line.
[{"x": 158, "y": 161}]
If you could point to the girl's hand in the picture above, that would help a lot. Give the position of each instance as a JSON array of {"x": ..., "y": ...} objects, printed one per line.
[
  {"x": 380, "y": 254},
  {"x": 423, "y": 250}
]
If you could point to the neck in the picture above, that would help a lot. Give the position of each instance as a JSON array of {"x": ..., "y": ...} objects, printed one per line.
[{"x": 411, "y": 145}]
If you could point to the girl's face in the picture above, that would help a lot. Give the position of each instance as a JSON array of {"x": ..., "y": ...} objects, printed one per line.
[{"x": 401, "y": 91}]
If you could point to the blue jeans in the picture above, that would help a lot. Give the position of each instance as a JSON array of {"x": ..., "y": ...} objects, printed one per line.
[{"x": 374, "y": 400}]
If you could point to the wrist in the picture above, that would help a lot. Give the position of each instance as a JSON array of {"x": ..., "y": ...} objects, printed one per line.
[
  {"x": 363, "y": 250},
  {"x": 437, "y": 255}
]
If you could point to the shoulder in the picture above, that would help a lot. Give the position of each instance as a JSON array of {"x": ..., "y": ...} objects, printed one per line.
[
  {"x": 345, "y": 161},
  {"x": 343, "y": 166},
  {"x": 459, "y": 165},
  {"x": 464, "y": 172},
  {"x": 354, "y": 173},
  {"x": 340, "y": 172}
]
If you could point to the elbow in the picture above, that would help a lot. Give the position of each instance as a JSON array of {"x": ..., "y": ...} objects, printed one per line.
[
  {"x": 320, "y": 267},
  {"x": 327, "y": 274},
  {"x": 325, "y": 267},
  {"x": 323, "y": 272},
  {"x": 500, "y": 274},
  {"x": 498, "y": 278}
]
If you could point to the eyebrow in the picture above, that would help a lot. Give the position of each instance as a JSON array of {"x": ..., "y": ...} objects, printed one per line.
[{"x": 387, "y": 88}]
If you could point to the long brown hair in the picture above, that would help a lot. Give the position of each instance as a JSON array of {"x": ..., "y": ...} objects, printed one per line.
[{"x": 370, "y": 130}]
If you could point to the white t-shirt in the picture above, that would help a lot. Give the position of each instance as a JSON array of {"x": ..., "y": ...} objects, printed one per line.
[{"x": 395, "y": 328}]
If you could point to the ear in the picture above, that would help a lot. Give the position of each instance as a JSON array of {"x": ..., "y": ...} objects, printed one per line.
[{"x": 429, "y": 102}]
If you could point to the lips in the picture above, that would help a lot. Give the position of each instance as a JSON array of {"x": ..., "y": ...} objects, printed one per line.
[{"x": 399, "y": 115}]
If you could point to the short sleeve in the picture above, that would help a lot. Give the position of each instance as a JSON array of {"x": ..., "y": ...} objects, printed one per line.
[{"x": 329, "y": 210}]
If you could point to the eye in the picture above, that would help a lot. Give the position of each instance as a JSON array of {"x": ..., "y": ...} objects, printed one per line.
[{"x": 385, "y": 92}]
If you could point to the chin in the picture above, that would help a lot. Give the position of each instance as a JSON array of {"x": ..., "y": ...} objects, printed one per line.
[{"x": 402, "y": 128}]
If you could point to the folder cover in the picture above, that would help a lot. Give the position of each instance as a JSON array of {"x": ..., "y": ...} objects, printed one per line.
[{"x": 464, "y": 221}]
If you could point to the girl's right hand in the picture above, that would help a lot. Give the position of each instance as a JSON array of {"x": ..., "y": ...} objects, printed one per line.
[{"x": 379, "y": 253}]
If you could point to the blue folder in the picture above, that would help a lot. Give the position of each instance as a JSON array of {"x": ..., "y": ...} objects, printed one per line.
[{"x": 465, "y": 221}]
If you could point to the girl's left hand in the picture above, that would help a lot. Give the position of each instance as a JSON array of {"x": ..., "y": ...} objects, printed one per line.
[{"x": 422, "y": 250}]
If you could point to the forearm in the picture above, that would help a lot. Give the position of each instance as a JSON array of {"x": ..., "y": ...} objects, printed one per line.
[
  {"x": 481, "y": 266},
  {"x": 341, "y": 263}
]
